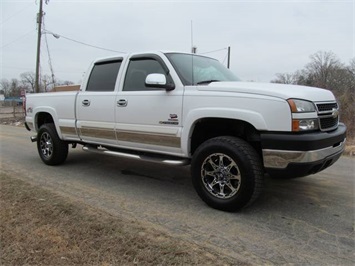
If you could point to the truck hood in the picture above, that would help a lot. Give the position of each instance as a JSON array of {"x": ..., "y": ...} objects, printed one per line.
[{"x": 283, "y": 91}]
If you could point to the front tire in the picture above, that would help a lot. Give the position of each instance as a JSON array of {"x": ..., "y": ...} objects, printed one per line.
[
  {"x": 51, "y": 149},
  {"x": 227, "y": 173}
]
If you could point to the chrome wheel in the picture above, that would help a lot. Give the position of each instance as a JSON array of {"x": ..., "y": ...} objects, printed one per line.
[
  {"x": 220, "y": 175},
  {"x": 46, "y": 145},
  {"x": 51, "y": 149}
]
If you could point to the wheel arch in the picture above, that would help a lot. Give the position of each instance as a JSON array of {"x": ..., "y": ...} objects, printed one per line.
[
  {"x": 46, "y": 116},
  {"x": 205, "y": 123},
  {"x": 211, "y": 127},
  {"x": 43, "y": 118}
]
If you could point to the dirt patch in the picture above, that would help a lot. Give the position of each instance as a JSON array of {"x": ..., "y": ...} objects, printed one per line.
[
  {"x": 13, "y": 121},
  {"x": 39, "y": 227},
  {"x": 11, "y": 116}
]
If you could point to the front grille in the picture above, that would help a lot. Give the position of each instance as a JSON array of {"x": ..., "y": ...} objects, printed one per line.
[
  {"x": 326, "y": 107},
  {"x": 328, "y": 123},
  {"x": 328, "y": 116}
]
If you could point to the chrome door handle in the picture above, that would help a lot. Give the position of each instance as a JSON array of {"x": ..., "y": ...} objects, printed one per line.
[
  {"x": 122, "y": 103},
  {"x": 86, "y": 103}
]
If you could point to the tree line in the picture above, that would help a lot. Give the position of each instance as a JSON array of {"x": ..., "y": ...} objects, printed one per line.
[
  {"x": 326, "y": 71},
  {"x": 13, "y": 87}
]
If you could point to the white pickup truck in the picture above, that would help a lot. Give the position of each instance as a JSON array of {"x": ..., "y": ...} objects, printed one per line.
[{"x": 179, "y": 109}]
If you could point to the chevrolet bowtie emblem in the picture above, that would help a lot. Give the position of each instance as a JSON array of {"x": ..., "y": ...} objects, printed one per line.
[{"x": 335, "y": 113}]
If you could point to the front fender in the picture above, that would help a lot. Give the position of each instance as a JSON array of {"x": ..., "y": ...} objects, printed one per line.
[{"x": 251, "y": 117}]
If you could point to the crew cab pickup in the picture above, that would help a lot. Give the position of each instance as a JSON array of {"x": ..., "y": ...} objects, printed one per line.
[{"x": 187, "y": 109}]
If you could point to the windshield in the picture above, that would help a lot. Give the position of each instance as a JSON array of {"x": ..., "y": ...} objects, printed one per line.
[{"x": 205, "y": 69}]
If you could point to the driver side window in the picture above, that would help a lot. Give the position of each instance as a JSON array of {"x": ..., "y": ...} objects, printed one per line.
[{"x": 138, "y": 70}]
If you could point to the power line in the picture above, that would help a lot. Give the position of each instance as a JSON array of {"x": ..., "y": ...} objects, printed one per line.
[
  {"x": 49, "y": 55},
  {"x": 19, "y": 38},
  {"x": 82, "y": 43},
  {"x": 14, "y": 14},
  {"x": 214, "y": 51},
  {"x": 224, "y": 59}
]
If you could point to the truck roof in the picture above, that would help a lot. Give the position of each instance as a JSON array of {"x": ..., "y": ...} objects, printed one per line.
[{"x": 125, "y": 55}]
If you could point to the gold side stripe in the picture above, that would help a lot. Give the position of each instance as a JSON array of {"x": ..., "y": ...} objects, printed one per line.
[
  {"x": 144, "y": 138},
  {"x": 160, "y": 140},
  {"x": 68, "y": 130},
  {"x": 98, "y": 133}
]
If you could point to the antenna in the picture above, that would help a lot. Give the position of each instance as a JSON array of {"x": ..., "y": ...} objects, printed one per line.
[
  {"x": 193, "y": 47},
  {"x": 193, "y": 50},
  {"x": 192, "y": 38},
  {"x": 229, "y": 57}
]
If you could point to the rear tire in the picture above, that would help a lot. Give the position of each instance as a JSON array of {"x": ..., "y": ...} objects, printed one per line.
[
  {"x": 227, "y": 173},
  {"x": 51, "y": 149}
]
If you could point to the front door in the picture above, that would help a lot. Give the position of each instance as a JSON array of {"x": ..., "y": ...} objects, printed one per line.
[{"x": 148, "y": 118}]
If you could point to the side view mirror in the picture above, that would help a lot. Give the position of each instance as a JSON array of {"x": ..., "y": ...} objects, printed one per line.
[{"x": 158, "y": 81}]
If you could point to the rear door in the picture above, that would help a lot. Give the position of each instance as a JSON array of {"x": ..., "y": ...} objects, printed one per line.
[{"x": 96, "y": 105}]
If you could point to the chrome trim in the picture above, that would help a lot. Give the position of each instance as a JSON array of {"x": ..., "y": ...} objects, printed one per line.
[
  {"x": 280, "y": 158},
  {"x": 149, "y": 138},
  {"x": 327, "y": 111},
  {"x": 122, "y": 103},
  {"x": 85, "y": 103},
  {"x": 328, "y": 128},
  {"x": 182, "y": 161},
  {"x": 331, "y": 113},
  {"x": 68, "y": 130},
  {"x": 101, "y": 133},
  {"x": 221, "y": 176}
]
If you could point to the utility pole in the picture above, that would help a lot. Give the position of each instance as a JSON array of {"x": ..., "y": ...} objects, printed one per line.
[
  {"x": 39, "y": 22},
  {"x": 229, "y": 57}
]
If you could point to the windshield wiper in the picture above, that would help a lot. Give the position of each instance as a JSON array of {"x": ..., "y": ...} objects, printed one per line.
[{"x": 207, "y": 81}]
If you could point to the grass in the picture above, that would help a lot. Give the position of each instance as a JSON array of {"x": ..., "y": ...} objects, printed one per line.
[{"x": 39, "y": 227}]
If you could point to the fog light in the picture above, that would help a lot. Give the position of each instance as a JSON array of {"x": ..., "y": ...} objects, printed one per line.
[{"x": 304, "y": 124}]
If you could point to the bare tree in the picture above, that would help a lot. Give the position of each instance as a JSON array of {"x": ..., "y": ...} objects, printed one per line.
[
  {"x": 5, "y": 86},
  {"x": 351, "y": 68},
  {"x": 28, "y": 79},
  {"x": 15, "y": 88},
  {"x": 323, "y": 69},
  {"x": 47, "y": 83},
  {"x": 66, "y": 82},
  {"x": 285, "y": 78}
]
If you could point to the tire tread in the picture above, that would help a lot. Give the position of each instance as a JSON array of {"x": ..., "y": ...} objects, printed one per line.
[
  {"x": 237, "y": 145},
  {"x": 60, "y": 147}
]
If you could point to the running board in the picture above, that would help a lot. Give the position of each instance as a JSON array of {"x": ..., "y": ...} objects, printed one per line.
[{"x": 147, "y": 158}]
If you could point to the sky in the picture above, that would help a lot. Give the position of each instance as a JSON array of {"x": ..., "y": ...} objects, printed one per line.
[{"x": 266, "y": 37}]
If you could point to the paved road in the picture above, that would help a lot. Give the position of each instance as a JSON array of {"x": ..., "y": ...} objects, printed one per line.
[{"x": 302, "y": 221}]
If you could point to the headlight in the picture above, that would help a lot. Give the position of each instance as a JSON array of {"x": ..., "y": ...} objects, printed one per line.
[
  {"x": 304, "y": 124},
  {"x": 300, "y": 121},
  {"x": 301, "y": 106}
]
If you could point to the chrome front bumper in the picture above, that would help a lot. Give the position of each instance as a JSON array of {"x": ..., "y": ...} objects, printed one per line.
[{"x": 280, "y": 159}]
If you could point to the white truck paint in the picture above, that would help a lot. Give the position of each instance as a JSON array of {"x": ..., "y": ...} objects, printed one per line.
[{"x": 179, "y": 108}]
